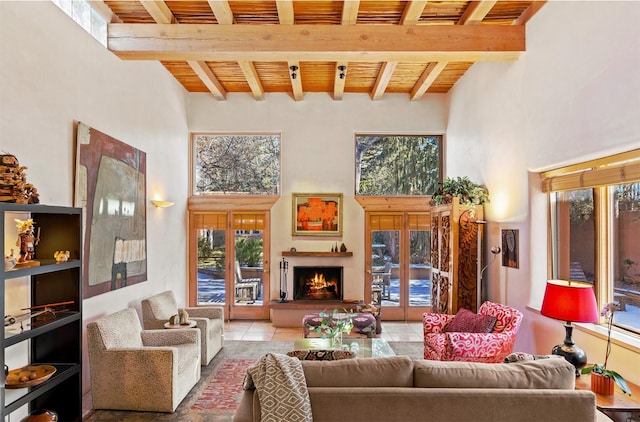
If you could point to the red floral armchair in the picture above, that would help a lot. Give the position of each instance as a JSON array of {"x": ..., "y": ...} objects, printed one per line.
[{"x": 490, "y": 347}]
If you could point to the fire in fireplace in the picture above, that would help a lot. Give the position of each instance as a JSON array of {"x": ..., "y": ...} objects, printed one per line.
[{"x": 317, "y": 283}]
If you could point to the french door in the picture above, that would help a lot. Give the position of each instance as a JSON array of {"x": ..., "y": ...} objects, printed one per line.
[
  {"x": 398, "y": 270},
  {"x": 228, "y": 263}
]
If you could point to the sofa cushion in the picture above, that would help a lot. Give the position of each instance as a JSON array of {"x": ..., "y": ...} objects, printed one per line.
[
  {"x": 394, "y": 371},
  {"x": 321, "y": 354},
  {"x": 534, "y": 374},
  {"x": 466, "y": 321}
]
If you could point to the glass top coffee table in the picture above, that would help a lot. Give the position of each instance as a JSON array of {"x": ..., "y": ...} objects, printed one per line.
[{"x": 367, "y": 347}]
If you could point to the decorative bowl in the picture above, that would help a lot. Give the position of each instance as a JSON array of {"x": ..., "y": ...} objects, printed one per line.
[{"x": 35, "y": 374}]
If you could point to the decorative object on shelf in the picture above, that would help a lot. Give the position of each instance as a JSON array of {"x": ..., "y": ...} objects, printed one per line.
[
  {"x": 13, "y": 182},
  {"x": 41, "y": 415},
  {"x": 602, "y": 379},
  {"x": 470, "y": 193},
  {"x": 44, "y": 312},
  {"x": 343, "y": 248},
  {"x": 115, "y": 248},
  {"x": 9, "y": 261},
  {"x": 570, "y": 301},
  {"x": 28, "y": 376},
  {"x": 317, "y": 214},
  {"x": 293, "y": 250},
  {"x": 27, "y": 242},
  {"x": 284, "y": 268},
  {"x": 334, "y": 325},
  {"x": 61, "y": 256}
]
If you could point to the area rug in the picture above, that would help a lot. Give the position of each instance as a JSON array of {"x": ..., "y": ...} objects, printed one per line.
[{"x": 217, "y": 396}]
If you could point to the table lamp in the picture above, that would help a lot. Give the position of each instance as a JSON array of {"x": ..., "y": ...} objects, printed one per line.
[{"x": 570, "y": 301}]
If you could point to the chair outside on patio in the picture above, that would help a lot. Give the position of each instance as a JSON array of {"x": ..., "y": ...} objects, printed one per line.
[
  {"x": 382, "y": 281},
  {"x": 246, "y": 289},
  {"x": 490, "y": 347}
]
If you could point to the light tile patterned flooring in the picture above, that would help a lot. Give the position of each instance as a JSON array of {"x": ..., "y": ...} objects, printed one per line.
[{"x": 264, "y": 331}]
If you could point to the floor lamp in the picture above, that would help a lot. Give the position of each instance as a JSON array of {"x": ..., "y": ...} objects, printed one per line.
[{"x": 570, "y": 301}]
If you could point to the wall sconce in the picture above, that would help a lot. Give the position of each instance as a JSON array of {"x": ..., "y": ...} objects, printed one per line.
[
  {"x": 293, "y": 70},
  {"x": 161, "y": 204},
  {"x": 342, "y": 70}
]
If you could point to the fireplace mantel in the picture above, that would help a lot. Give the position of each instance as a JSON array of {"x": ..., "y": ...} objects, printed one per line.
[{"x": 324, "y": 254}]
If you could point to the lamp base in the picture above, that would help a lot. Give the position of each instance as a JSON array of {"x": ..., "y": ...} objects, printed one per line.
[{"x": 572, "y": 353}]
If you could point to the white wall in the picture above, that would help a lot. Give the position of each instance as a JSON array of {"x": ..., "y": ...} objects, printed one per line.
[
  {"x": 53, "y": 74},
  {"x": 318, "y": 155},
  {"x": 573, "y": 96}
]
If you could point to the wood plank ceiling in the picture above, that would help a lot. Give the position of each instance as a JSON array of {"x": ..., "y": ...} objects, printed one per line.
[{"x": 297, "y": 46}]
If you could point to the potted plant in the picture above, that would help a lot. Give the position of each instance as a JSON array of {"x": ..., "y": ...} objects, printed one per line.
[
  {"x": 602, "y": 379},
  {"x": 470, "y": 193},
  {"x": 333, "y": 325}
]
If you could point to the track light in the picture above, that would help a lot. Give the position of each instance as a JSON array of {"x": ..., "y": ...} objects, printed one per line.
[
  {"x": 293, "y": 70},
  {"x": 342, "y": 70}
]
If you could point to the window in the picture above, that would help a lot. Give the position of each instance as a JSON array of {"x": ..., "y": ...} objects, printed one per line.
[
  {"x": 398, "y": 164},
  {"x": 595, "y": 230},
  {"x": 236, "y": 164},
  {"x": 86, "y": 16}
]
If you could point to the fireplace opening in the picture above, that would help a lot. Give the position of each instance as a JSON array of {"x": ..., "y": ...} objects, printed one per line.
[{"x": 317, "y": 283}]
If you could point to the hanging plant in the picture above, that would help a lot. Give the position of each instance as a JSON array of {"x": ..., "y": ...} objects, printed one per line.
[{"x": 468, "y": 192}]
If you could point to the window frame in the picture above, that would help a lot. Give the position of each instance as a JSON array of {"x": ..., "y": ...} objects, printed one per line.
[{"x": 599, "y": 175}]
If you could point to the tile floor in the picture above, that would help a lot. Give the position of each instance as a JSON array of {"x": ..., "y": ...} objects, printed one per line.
[{"x": 264, "y": 331}]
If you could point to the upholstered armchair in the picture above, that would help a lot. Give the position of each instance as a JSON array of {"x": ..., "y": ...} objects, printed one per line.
[
  {"x": 135, "y": 369},
  {"x": 157, "y": 309},
  {"x": 490, "y": 347}
]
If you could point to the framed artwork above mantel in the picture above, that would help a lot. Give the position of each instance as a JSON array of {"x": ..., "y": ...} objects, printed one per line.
[{"x": 317, "y": 214}]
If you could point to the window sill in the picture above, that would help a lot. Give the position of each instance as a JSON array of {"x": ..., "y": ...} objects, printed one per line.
[{"x": 619, "y": 338}]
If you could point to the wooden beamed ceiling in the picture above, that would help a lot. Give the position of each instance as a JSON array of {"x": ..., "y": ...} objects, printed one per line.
[{"x": 297, "y": 46}]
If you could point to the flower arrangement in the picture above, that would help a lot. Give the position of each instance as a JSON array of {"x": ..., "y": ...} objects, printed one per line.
[
  {"x": 607, "y": 312},
  {"x": 335, "y": 324}
]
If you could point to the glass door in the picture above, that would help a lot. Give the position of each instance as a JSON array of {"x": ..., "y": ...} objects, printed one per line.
[
  {"x": 398, "y": 270},
  {"x": 229, "y": 268}
]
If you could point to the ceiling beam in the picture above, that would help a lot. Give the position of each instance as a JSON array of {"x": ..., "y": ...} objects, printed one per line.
[
  {"x": 384, "y": 76},
  {"x": 350, "y": 12},
  {"x": 101, "y": 8},
  {"x": 366, "y": 43},
  {"x": 161, "y": 13},
  {"x": 285, "y": 12},
  {"x": 222, "y": 11},
  {"x": 410, "y": 16},
  {"x": 529, "y": 12},
  {"x": 430, "y": 74},
  {"x": 253, "y": 79},
  {"x": 209, "y": 79},
  {"x": 473, "y": 15},
  {"x": 224, "y": 15},
  {"x": 476, "y": 12}
]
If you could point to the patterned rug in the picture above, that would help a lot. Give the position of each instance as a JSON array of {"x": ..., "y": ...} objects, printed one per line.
[{"x": 216, "y": 397}]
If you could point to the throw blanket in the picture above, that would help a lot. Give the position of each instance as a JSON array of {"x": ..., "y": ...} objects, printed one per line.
[{"x": 282, "y": 388}]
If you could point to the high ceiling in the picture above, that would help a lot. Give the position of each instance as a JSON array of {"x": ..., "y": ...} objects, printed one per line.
[{"x": 299, "y": 46}]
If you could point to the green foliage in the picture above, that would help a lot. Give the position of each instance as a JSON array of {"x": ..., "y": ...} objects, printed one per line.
[
  {"x": 249, "y": 251},
  {"x": 334, "y": 324},
  {"x": 617, "y": 378},
  {"x": 397, "y": 165},
  {"x": 468, "y": 192}
]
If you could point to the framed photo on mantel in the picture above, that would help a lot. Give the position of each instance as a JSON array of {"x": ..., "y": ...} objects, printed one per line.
[{"x": 317, "y": 214}]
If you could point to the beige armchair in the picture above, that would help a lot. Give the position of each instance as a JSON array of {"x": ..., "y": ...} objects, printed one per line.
[
  {"x": 135, "y": 369},
  {"x": 157, "y": 309}
]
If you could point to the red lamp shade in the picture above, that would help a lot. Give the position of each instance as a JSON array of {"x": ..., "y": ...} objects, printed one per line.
[{"x": 570, "y": 301}]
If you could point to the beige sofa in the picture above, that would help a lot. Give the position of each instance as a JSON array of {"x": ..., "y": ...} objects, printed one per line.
[{"x": 401, "y": 389}]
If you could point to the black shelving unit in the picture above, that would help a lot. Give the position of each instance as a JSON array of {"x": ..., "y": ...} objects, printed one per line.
[{"x": 57, "y": 340}]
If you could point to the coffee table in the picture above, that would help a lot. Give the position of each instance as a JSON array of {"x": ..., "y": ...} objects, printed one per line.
[{"x": 367, "y": 347}]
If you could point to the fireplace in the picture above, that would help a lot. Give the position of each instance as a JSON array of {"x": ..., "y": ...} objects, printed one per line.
[{"x": 317, "y": 283}]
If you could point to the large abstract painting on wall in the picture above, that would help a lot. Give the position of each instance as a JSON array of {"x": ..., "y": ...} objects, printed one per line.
[{"x": 111, "y": 189}]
